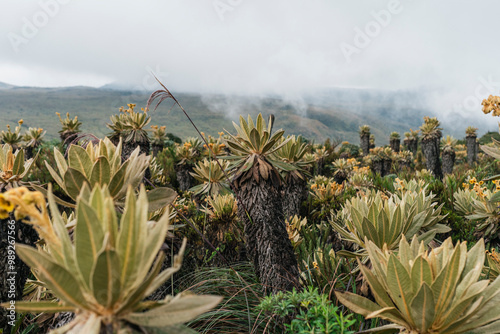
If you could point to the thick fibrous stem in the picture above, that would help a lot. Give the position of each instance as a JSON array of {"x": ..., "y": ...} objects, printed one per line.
[
  {"x": 365, "y": 143},
  {"x": 294, "y": 194},
  {"x": 185, "y": 179},
  {"x": 430, "y": 149},
  {"x": 267, "y": 242},
  {"x": 155, "y": 149},
  {"x": 320, "y": 165},
  {"x": 129, "y": 147},
  {"x": 413, "y": 145},
  {"x": 395, "y": 145},
  {"x": 448, "y": 161},
  {"x": 470, "y": 140},
  {"x": 378, "y": 167}
]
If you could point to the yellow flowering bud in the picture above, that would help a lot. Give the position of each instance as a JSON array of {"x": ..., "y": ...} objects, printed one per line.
[
  {"x": 5, "y": 204},
  {"x": 4, "y": 214},
  {"x": 29, "y": 198}
]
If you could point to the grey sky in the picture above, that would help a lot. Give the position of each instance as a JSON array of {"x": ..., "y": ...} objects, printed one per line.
[{"x": 448, "y": 48}]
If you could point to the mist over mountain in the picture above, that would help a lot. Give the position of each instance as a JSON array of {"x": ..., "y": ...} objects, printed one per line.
[
  {"x": 5, "y": 86},
  {"x": 322, "y": 63},
  {"x": 330, "y": 113}
]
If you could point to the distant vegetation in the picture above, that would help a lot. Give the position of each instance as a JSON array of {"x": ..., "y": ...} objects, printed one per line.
[
  {"x": 321, "y": 118},
  {"x": 279, "y": 234}
]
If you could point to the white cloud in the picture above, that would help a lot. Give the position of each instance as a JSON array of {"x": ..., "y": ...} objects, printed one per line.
[{"x": 283, "y": 46}]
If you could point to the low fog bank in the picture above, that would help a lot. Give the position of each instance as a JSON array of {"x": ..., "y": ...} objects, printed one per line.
[{"x": 406, "y": 107}]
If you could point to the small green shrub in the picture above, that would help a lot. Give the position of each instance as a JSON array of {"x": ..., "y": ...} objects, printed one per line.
[{"x": 314, "y": 312}]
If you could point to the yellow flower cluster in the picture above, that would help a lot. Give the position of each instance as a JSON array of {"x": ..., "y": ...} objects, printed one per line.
[
  {"x": 315, "y": 265},
  {"x": 67, "y": 120},
  {"x": 362, "y": 170},
  {"x": 30, "y": 204},
  {"x": 328, "y": 191},
  {"x": 401, "y": 184},
  {"x": 130, "y": 109},
  {"x": 5, "y": 207},
  {"x": 352, "y": 162},
  {"x": 491, "y": 104},
  {"x": 477, "y": 186},
  {"x": 215, "y": 144},
  {"x": 497, "y": 185},
  {"x": 479, "y": 191},
  {"x": 494, "y": 256}
]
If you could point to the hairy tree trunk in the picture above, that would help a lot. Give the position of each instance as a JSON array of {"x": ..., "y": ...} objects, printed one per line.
[
  {"x": 28, "y": 152},
  {"x": 267, "y": 242},
  {"x": 405, "y": 164},
  {"x": 294, "y": 194},
  {"x": 155, "y": 148},
  {"x": 129, "y": 147},
  {"x": 430, "y": 150},
  {"x": 471, "y": 149},
  {"x": 365, "y": 144},
  {"x": 185, "y": 179},
  {"x": 406, "y": 144},
  {"x": 413, "y": 146},
  {"x": 395, "y": 145},
  {"x": 13, "y": 276},
  {"x": 226, "y": 237},
  {"x": 387, "y": 166},
  {"x": 448, "y": 161},
  {"x": 378, "y": 167},
  {"x": 320, "y": 165},
  {"x": 340, "y": 176}
]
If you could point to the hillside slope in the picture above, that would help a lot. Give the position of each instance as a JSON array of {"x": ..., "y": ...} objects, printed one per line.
[{"x": 317, "y": 119}]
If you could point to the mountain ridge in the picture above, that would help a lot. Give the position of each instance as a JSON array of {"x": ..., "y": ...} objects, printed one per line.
[{"x": 337, "y": 113}]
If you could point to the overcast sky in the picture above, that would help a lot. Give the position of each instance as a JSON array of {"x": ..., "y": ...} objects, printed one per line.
[{"x": 450, "y": 47}]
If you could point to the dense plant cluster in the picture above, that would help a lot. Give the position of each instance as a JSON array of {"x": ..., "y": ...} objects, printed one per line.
[{"x": 274, "y": 234}]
